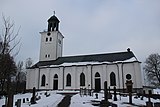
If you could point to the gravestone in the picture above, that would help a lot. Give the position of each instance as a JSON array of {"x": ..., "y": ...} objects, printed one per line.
[
  {"x": 89, "y": 92},
  {"x": 105, "y": 103},
  {"x": 27, "y": 99},
  {"x": 143, "y": 94},
  {"x": 38, "y": 98},
  {"x": 105, "y": 91},
  {"x": 92, "y": 93},
  {"x": 129, "y": 85},
  {"x": 33, "y": 98},
  {"x": 109, "y": 93},
  {"x": 149, "y": 95},
  {"x": 85, "y": 91},
  {"x": 45, "y": 93},
  {"x": 23, "y": 100},
  {"x": 149, "y": 103},
  {"x": 81, "y": 92},
  {"x": 115, "y": 94},
  {"x": 18, "y": 103},
  {"x": 96, "y": 95}
]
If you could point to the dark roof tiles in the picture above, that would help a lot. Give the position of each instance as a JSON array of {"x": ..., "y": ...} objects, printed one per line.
[
  {"x": 53, "y": 18},
  {"x": 108, "y": 57}
]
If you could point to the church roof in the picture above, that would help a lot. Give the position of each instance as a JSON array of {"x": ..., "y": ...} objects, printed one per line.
[
  {"x": 107, "y": 57},
  {"x": 53, "y": 18}
]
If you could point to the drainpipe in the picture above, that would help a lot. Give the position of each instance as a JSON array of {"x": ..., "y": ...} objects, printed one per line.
[
  {"x": 122, "y": 76},
  {"x": 38, "y": 77},
  {"x": 135, "y": 84},
  {"x": 91, "y": 79},
  {"x": 118, "y": 75},
  {"x": 63, "y": 77}
]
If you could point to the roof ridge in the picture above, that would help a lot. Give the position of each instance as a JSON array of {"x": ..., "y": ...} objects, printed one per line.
[{"x": 95, "y": 54}]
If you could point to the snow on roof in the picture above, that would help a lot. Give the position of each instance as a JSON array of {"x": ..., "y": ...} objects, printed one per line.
[
  {"x": 91, "y": 63},
  {"x": 89, "y": 59}
]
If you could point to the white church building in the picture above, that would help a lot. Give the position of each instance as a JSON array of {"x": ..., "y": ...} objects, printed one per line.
[{"x": 57, "y": 72}]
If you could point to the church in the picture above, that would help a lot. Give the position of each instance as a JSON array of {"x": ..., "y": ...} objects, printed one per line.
[{"x": 56, "y": 72}]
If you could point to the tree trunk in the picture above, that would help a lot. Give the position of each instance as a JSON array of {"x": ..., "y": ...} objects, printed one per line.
[
  {"x": 9, "y": 92},
  {"x": 2, "y": 83}
]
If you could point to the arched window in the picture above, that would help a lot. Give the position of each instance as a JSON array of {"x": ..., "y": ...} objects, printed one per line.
[
  {"x": 97, "y": 74},
  {"x": 82, "y": 79},
  {"x": 43, "y": 80},
  {"x": 68, "y": 81},
  {"x": 55, "y": 76},
  {"x": 55, "y": 82},
  {"x": 112, "y": 79}
]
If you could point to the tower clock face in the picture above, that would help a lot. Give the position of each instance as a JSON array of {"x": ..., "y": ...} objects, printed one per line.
[
  {"x": 48, "y": 33},
  {"x": 128, "y": 76}
]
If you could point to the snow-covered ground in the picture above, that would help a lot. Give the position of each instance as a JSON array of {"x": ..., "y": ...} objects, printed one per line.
[
  {"x": 76, "y": 100},
  {"x": 50, "y": 101},
  {"x": 85, "y": 101}
]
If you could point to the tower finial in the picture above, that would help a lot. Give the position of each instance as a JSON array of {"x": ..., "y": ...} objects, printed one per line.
[{"x": 54, "y": 13}]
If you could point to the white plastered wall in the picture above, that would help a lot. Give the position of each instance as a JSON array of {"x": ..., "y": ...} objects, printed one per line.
[
  {"x": 53, "y": 48},
  {"x": 134, "y": 70},
  {"x": 112, "y": 68},
  {"x": 120, "y": 70},
  {"x": 99, "y": 69},
  {"x": 32, "y": 77}
]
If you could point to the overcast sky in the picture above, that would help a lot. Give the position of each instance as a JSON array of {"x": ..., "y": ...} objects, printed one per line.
[{"x": 89, "y": 26}]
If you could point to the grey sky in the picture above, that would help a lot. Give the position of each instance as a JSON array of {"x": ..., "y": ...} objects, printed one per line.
[{"x": 89, "y": 26}]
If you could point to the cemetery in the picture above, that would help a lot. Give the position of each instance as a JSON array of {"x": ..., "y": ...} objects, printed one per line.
[{"x": 86, "y": 97}]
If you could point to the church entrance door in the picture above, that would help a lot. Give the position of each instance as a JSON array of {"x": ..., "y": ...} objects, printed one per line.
[
  {"x": 97, "y": 85},
  {"x": 97, "y": 82},
  {"x": 55, "y": 82}
]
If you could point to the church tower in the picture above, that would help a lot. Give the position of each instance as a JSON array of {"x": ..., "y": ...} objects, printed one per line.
[{"x": 51, "y": 41}]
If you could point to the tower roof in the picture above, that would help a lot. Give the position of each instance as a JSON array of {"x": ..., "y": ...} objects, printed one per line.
[{"x": 53, "y": 18}]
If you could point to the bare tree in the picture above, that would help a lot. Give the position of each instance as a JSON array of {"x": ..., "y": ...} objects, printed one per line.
[
  {"x": 19, "y": 70},
  {"x": 29, "y": 62},
  {"x": 20, "y": 77},
  {"x": 8, "y": 45},
  {"x": 152, "y": 69},
  {"x": 8, "y": 37},
  {"x": 8, "y": 40}
]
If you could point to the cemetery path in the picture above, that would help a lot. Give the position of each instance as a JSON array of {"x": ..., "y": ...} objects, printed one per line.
[{"x": 65, "y": 102}]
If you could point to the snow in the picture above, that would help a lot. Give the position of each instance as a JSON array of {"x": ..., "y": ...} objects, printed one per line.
[
  {"x": 85, "y": 101},
  {"x": 156, "y": 91},
  {"x": 76, "y": 100},
  {"x": 78, "y": 63},
  {"x": 128, "y": 60},
  {"x": 50, "y": 101},
  {"x": 92, "y": 63}
]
